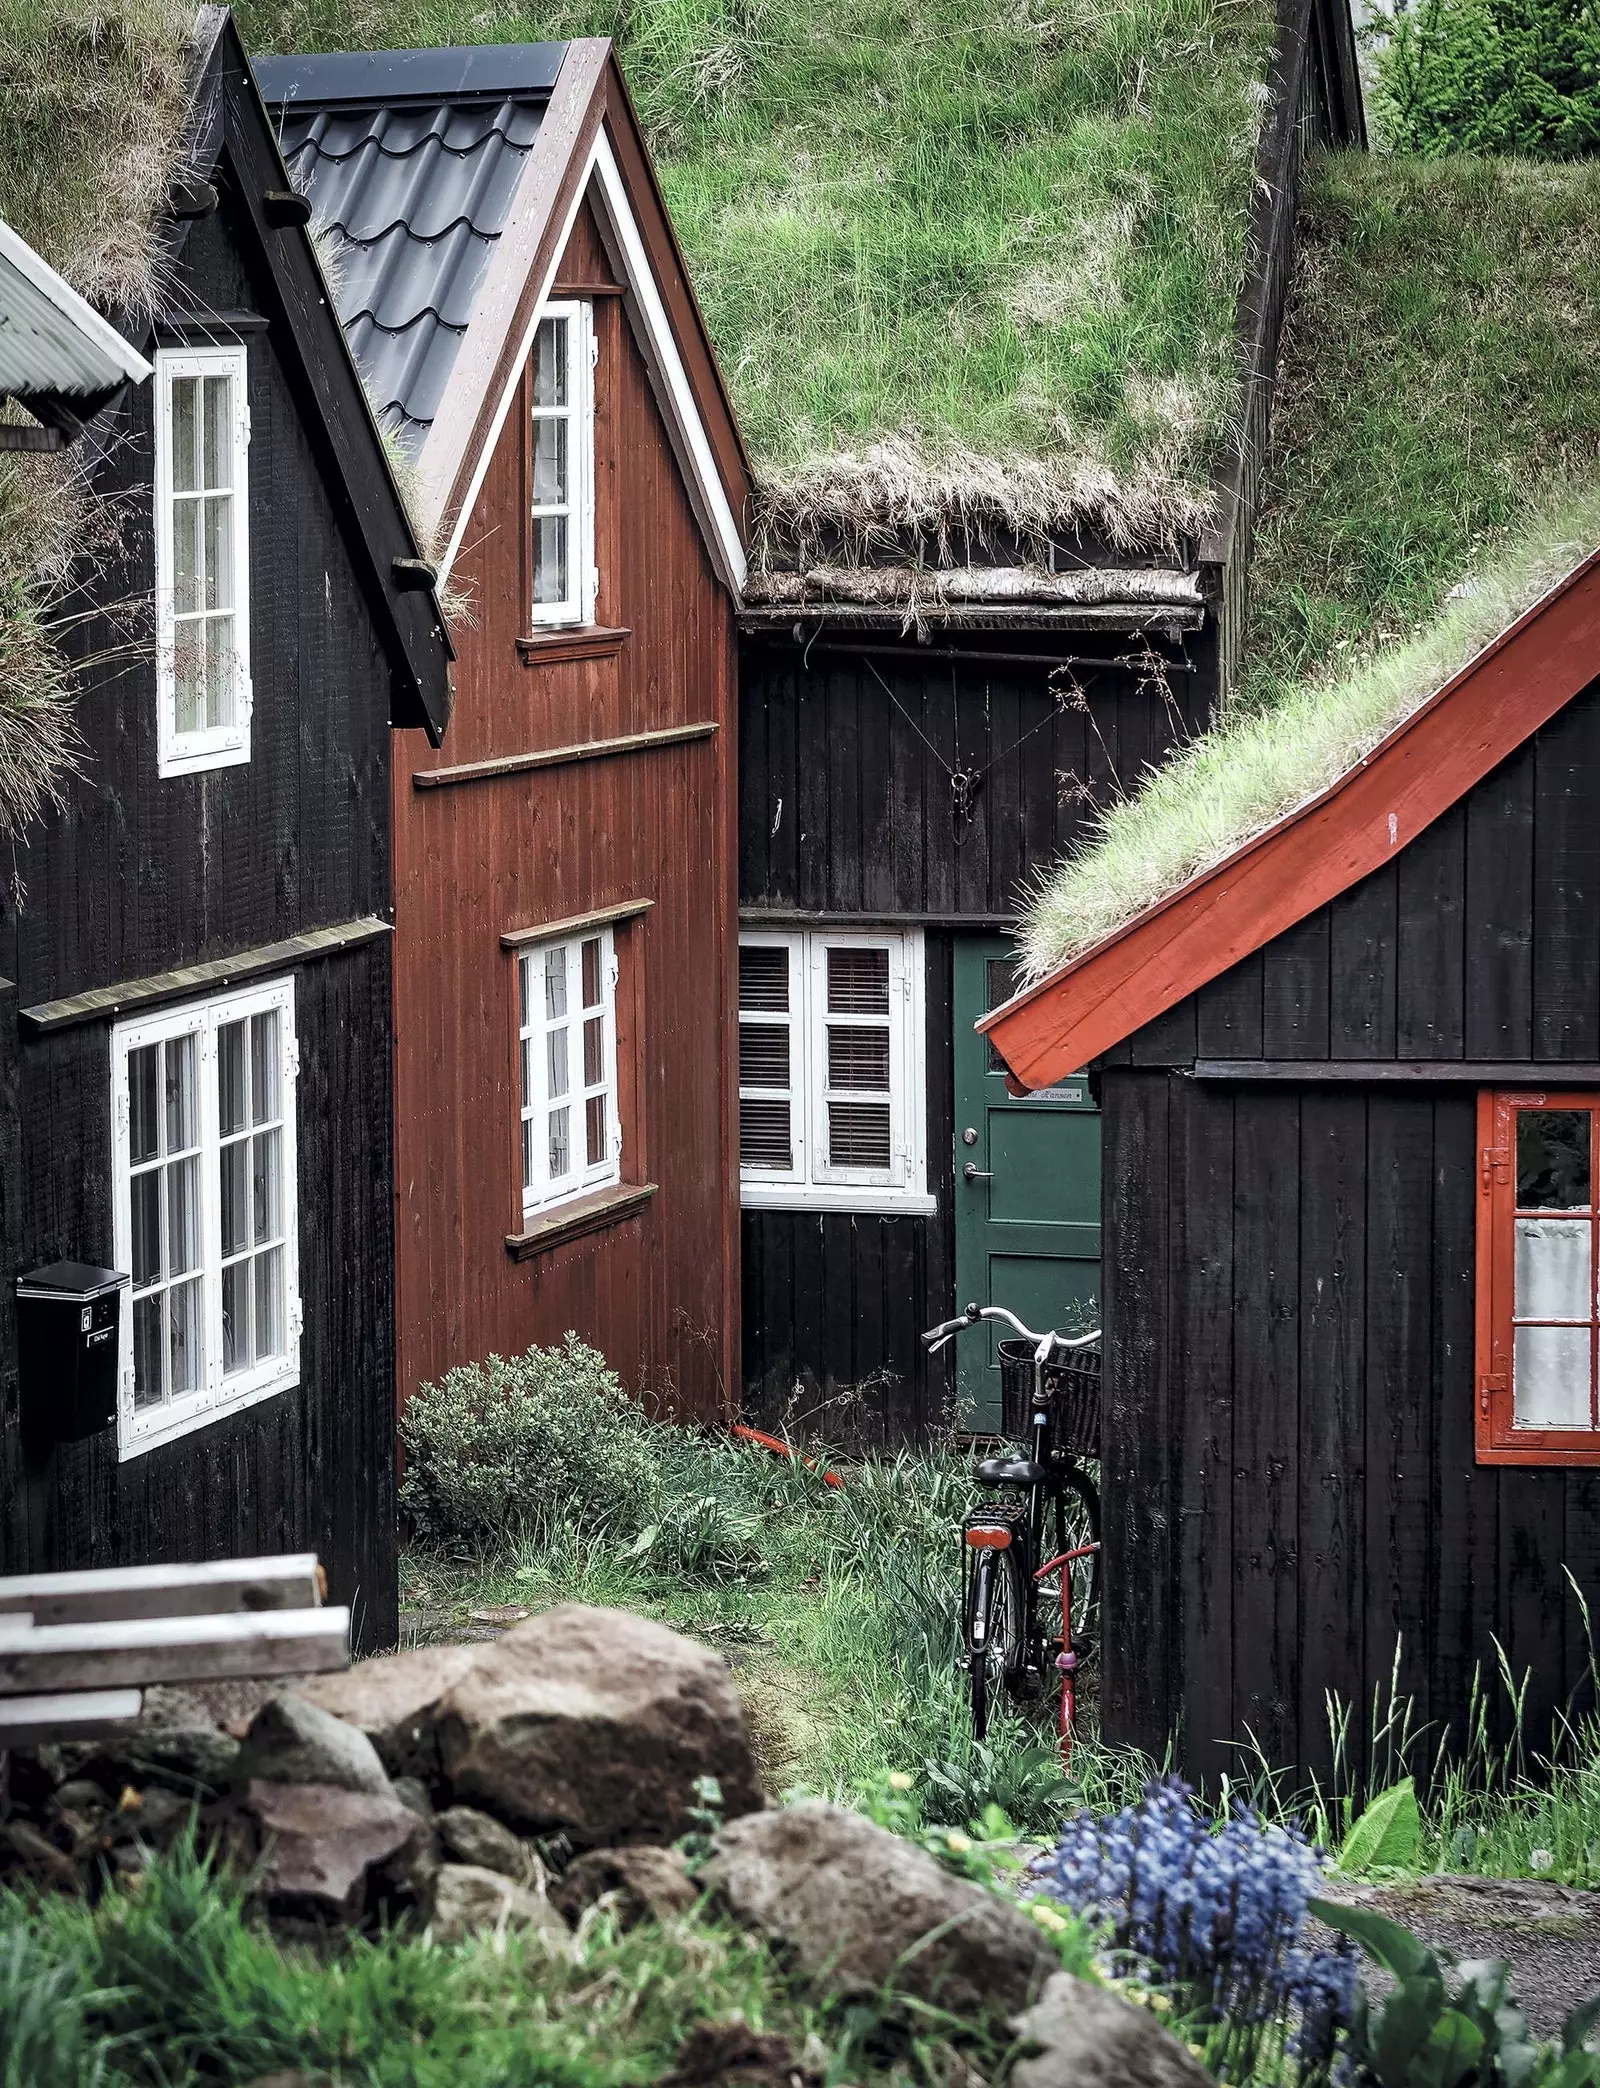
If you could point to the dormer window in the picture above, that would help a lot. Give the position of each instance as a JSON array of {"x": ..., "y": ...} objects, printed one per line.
[
  {"x": 562, "y": 447},
  {"x": 202, "y": 429}
]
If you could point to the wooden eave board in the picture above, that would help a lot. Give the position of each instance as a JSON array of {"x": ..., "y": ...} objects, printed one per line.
[{"x": 1359, "y": 822}]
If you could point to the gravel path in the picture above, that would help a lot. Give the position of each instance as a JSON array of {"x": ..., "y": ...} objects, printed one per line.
[{"x": 1549, "y": 1933}]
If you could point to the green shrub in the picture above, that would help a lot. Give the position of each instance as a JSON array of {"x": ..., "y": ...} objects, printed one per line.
[
  {"x": 514, "y": 1448},
  {"x": 1490, "y": 76}
]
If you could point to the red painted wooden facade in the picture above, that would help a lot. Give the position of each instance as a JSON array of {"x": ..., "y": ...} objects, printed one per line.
[{"x": 649, "y": 1279}]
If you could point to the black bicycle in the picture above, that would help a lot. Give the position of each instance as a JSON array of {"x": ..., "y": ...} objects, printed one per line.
[{"x": 1050, "y": 1402}]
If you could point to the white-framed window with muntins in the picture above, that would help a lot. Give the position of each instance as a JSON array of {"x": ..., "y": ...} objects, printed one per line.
[
  {"x": 206, "y": 1210},
  {"x": 202, "y": 541},
  {"x": 571, "y": 1134},
  {"x": 831, "y": 1072},
  {"x": 564, "y": 579}
]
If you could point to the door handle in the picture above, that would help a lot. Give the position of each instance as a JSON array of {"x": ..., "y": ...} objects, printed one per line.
[{"x": 972, "y": 1172}]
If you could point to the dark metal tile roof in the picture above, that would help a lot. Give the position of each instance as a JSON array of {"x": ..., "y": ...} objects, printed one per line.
[{"x": 412, "y": 159}]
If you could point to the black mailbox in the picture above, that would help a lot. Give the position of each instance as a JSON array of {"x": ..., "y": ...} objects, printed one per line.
[{"x": 68, "y": 1319}]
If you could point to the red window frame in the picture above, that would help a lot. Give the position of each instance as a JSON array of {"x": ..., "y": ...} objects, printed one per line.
[{"x": 1499, "y": 1440}]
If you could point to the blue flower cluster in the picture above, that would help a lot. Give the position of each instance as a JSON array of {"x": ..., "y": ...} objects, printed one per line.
[{"x": 1217, "y": 1909}]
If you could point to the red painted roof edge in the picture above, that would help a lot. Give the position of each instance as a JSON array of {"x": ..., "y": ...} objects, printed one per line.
[{"x": 1060, "y": 979}]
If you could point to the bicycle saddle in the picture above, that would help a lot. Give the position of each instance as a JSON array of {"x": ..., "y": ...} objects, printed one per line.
[{"x": 1012, "y": 1471}]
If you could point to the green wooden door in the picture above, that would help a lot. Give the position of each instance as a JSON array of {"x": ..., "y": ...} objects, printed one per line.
[{"x": 1028, "y": 1215}]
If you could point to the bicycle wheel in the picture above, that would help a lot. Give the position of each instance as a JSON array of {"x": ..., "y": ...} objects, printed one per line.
[
  {"x": 992, "y": 1630},
  {"x": 1076, "y": 1483}
]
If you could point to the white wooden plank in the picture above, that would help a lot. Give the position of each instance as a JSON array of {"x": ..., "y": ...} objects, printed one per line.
[
  {"x": 206, "y": 1589},
  {"x": 77, "y": 1715},
  {"x": 136, "y": 1650}
]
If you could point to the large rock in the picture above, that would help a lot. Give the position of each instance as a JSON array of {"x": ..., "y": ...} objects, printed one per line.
[
  {"x": 642, "y": 1881},
  {"x": 293, "y": 1741},
  {"x": 470, "y": 1836},
  {"x": 854, "y": 1903},
  {"x": 394, "y": 1701},
  {"x": 595, "y": 1724},
  {"x": 466, "y": 1899},
  {"x": 1088, "y": 2038},
  {"x": 318, "y": 1844}
]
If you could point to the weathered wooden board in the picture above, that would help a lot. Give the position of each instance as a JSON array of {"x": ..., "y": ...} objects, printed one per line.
[
  {"x": 104, "y": 1594},
  {"x": 36, "y": 1658}
]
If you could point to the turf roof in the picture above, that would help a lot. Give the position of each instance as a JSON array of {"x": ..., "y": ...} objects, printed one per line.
[
  {"x": 1436, "y": 468},
  {"x": 962, "y": 259}
]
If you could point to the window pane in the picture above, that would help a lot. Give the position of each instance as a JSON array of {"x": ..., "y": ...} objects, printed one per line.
[
  {"x": 595, "y": 1115},
  {"x": 185, "y": 557},
  {"x": 858, "y": 1134},
  {"x": 235, "y": 1196},
  {"x": 266, "y": 1104},
  {"x": 189, "y": 674},
  {"x": 527, "y": 1154},
  {"x": 185, "y": 434},
  {"x": 230, "y": 1078},
  {"x": 219, "y": 670},
  {"x": 764, "y": 1054},
  {"x": 219, "y": 552},
  {"x": 560, "y": 1144},
  {"x": 550, "y": 558},
  {"x": 181, "y": 1055},
  {"x": 858, "y": 982},
  {"x": 556, "y": 1063},
  {"x": 858, "y": 1058},
  {"x": 219, "y": 431},
  {"x": 1553, "y": 1280},
  {"x": 555, "y": 982},
  {"x": 149, "y": 1318},
  {"x": 236, "y": 1317},
  {"x": 144, "y": 1118},
  {"x": 145, "y": 1199},
  {"x": 183, "y": 1216},
  {"x": 764, "y": 1139},
  {"x": 1553, "y": 1159},
  {"x": 527, "y": 1071},
  {"x": 550, "y": 363},
  {"x": 185, "y": 1351},
  {"x": 266, "y": 1186},
  {"x": 764, "y": 978},
  {"x": 1551, "y": 1377},
  {"x": 550, "y": 463},
  {"x": 594, "y": 1051},
  {"x": 591, "y": 972},
  {"x": 271, "y": 1335},
  {"x": 524, "y": 967}
]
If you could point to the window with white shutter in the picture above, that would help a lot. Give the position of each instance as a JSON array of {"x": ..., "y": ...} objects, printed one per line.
[
  {"x": 202, "y": 540},
  {"x": 831, "y": 1090},
  {"x": 571, "y": 1135},
  {"x": 205, "y": 1210}
]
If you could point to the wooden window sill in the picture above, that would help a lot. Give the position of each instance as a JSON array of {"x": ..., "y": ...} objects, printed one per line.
[
  {"x": 581, "y": 642},
  {"x": 585, "y": 1214}
]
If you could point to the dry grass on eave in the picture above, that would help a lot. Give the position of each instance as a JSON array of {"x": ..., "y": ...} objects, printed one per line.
[{"x": 1236, "y": 781}]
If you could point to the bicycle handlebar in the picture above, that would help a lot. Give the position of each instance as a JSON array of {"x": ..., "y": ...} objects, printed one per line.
[{"x": 947, "y": 1330}]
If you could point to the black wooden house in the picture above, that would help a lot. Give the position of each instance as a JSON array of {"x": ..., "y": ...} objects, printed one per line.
[
  {"x": 195, "y": 1030},
  {"x": 1351, "y": 1088},
  {"x": 918, "y": 737}
]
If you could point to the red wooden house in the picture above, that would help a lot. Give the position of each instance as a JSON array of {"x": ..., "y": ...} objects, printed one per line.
[{"x": 566, "y": 1111}]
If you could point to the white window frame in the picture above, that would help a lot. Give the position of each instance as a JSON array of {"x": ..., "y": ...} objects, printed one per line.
[
  {"x": 540, "y": 1195},
  {"x": 583, "y": 580},
  {"x": 812, "y": 1182},
  {"x": 223, "y": 746},
  {"x": 142, "y": 1430}
]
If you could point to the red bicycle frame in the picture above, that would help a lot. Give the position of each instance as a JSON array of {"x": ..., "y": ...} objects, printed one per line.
[{"x": 1066, "y": 1659}]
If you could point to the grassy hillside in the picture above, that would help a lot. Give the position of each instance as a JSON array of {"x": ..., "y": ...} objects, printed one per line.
[
  {"x": 959, "y": 257},
  {"x": 1436, "y": 465}
]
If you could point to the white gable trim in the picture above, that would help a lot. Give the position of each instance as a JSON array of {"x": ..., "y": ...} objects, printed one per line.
[{"x": 700, "y": 465}]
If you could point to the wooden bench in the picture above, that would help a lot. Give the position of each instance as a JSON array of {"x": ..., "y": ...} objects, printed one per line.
[{"x": 78, "y": 1649}]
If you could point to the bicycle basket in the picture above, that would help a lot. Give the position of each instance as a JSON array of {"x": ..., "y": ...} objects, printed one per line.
[{"x": 1071, "y": 1389}]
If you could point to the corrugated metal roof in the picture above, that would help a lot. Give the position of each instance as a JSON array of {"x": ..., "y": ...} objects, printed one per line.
[
  {"x": 52, "y": 343},
  {"x": 412, "y": 158}
]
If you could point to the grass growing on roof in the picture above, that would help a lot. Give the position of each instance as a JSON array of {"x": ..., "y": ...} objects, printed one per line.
[
  {"x": 963, "y": 260},
  {"x": 1438, "y": 421}
]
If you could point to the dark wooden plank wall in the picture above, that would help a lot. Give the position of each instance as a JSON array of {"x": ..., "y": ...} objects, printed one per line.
[
  {"x": 657, "y": 1293},
  {"x": 140, "y": 874},
  {"x": 845, "y": 810},
  {"x": 1289, "y": 1280}
]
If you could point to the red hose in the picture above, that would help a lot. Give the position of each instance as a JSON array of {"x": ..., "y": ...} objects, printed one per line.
[{"x": 780, "y": 1448}]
